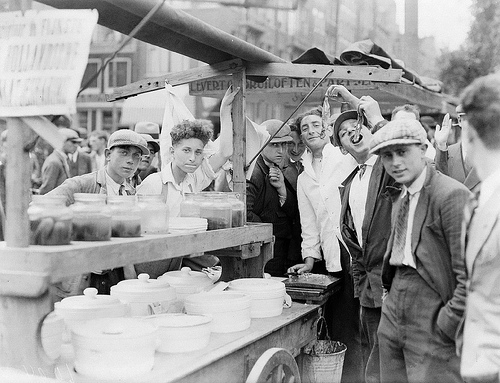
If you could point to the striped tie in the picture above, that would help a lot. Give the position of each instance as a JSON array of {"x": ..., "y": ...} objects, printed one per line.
[
  {"x": 398, "y": 245},
  {"x": 469, "y": 210}
]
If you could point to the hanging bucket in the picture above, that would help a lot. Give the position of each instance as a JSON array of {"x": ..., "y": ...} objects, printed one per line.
[{"x": 323, "y": 360}]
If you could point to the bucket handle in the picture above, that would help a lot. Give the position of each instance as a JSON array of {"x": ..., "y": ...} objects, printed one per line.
[{"x": 321, "y": 326}]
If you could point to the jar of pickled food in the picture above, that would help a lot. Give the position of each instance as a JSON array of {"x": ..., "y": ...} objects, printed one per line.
[
  {"x": 237, "y": 209},
  {"x": 91, "y": 217},
  {"x": 190, "y": 205},
  {"x": 125, "y": 216},
  {"x": 154, "y": 214},
  {"x": 50, "y": 220},
  {"x": 216, "y": 209}
]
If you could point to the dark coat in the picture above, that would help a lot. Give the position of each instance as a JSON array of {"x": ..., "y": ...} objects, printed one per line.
[
  {"x": 367, "y": 259},
  {"x": 436, "y": 245},
  {"x": 452, "y": 163},
  {"x": 55, "y": 171},
  {"x": 83, "y": 165}
]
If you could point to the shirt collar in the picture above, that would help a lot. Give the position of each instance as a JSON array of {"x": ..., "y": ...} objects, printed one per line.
[
  {"x": 417, "y": 185},
  {"x": 371, "y": 161}
]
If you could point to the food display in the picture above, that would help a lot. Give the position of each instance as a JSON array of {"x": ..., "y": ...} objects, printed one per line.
[
  {"x": 125, "y": 216},
  {"x": 154, "y": 214},
  {"x": 50, "y": 220},
  {"x": 91, "y": 217}
]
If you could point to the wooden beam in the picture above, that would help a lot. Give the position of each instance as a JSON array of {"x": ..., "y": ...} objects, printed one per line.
[
  {"x": 177, "y": 78},
  {"x": 358, "y": 72}
]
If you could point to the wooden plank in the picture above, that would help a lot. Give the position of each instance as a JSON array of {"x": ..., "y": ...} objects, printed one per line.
[
  {"x": 177, "y": 78},
  {"x": 357, "y": 72},
  {"x": 82, "y": 257},
  {"x": 18, "y": 174},
  {"x": 224, "y": 359}
]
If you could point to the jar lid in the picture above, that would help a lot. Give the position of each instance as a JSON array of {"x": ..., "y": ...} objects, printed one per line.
[
  {"x": 119, "y": 199},
  {"x": 114, "y": 328},
  {"x": 141, "y": 286},
  {"x": 179, "y": 320},
  {"x": 88, "y": 301},
  {"x": 186, "y": 277},
  {"x": 257, "y": 285},
  {"x": 44, "y": 198},
  {"x": 89, "y": 197}
]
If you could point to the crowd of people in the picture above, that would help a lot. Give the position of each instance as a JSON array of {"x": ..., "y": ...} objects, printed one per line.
[{"x": 407, "y": 217}]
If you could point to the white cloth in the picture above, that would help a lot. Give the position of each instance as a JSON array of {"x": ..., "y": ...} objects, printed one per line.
[
  {"x": 488, "y": 187},
  {"x": 414, "y": 189},
  {"x": 319, "y": 204},
  {"x": 192, "y": 183},
  {"x": 358, "y": 195},
  {"x": 112, "y": 187}
]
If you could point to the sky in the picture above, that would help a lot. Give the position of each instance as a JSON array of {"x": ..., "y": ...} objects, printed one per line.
[{"x": 447, "y": 20}]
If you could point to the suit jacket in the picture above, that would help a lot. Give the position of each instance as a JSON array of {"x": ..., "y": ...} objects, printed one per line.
[
  {"x": 452, "y": 163},
  {"x": 54, "y": 171},
  {"x": 83, "y": 165},
  {"x": 436, "y": 245},
  {"x": 481, "y": 330},
  {"x": 367, "y": 259},
  {"x": 263, "y": 203}
]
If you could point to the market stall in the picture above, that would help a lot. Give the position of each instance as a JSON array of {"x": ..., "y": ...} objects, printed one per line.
[{"x": 27, "y": 272}]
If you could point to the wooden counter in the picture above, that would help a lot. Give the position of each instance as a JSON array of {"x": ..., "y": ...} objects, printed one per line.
[{"x": 228, "y": 357}]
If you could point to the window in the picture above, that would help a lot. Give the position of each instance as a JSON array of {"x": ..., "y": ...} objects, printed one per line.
[
  {"x": 93, "y": 66},
  {"x": 117, "y": 73}
]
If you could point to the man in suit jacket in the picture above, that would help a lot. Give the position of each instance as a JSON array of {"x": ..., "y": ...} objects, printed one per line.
[
  {"x": 79, "y": 163},
  {"x": 453, "y": 160},
  {"x": 365, "y": 213},
  {"x": 55, "y": 169},
  {"x": 422, "y": 268},
  {"x": 481, "y": 137},
  {"x": 271, "y": 198}
]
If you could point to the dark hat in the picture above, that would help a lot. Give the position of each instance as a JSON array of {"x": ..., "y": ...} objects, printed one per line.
[
  {"x": 69, "y": 134},
  {"x": 344, "y": 116},
  {"x": 272, "y": 127},
  {"x": 151, "y": 140},
  {"x": 125, "y": 137},
  {"x": 146, "y": 127},
  {"x": 404, "y": 131}
]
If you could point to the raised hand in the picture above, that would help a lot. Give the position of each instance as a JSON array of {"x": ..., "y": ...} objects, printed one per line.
[{"x": 443, "y": 132}]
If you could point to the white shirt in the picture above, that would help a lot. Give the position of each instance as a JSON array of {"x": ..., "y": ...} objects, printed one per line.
[
  {"x": 112, "y": 187},
  {"x": 488, "y": 187},
  {"x": 414, "y": 189},
  {"x": 192, "y": 183},
  {"x": 100, "y": 160},
  {"x": 73, "y": 156},
  {"x": 319, "y": 204},
  {"x": 358, "y": 195}
]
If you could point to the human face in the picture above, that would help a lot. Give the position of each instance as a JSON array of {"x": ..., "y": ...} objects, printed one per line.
[
  {"x": 297, "y": 147},
  {"x": 146, "y": 159},
  {"x": 314, "y": 134},
  {"x": 122, "y": 162},
  {"x": 188, "y": 154},
  {"x": 97, "y": 144},
  {"x": 404, "y": 163},
  {"x": 360, "y": 149},
  {"x": 275, "y": 152},
  {"x": 69, "y": 147}
]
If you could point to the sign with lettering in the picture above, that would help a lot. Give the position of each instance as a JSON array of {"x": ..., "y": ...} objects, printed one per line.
[
  {"x": 43, "y": 56},
  {"x": 217, "y": 86}
]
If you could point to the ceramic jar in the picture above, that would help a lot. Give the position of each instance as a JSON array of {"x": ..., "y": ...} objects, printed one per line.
[
  {"x": 187, "y": 282},
  {"x": 144, "y": 295},
  {"x": 113, "y": 349}
]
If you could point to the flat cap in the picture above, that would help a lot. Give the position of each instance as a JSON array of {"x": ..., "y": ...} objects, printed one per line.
[
  {"x": 125, "y": 137},
  {"x": 398, "y": 132}
]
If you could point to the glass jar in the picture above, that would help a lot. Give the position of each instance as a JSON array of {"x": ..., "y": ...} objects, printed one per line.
[
  {"x": 125, "y": 216},
  {"x": 50, "y": 220},
  {"x": 216, "y": 209},
  {"x": 190, "y": 205},
  {"x": 237, "y": 209},
  {"x": 91, "y": 217},
  {"x": 154, "y": 214}
]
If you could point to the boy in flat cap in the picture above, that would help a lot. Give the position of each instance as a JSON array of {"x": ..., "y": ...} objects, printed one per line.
[{"x": 422, "y": 268}]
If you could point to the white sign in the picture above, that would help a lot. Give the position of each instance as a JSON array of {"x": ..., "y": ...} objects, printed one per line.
[{"x": 43, "y": 56}]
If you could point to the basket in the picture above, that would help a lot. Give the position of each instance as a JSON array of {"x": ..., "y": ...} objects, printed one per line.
[{"x": 323, "y": 359}]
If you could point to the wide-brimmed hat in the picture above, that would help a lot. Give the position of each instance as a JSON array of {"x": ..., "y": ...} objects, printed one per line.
[
  {"x": 402, "y": 132},
  {"x": 69, "y": 134},
  {"x": 125, "y": 137},
  {"x": 146, "y": 127},
  {"x": 344, "y": 116},
  {"x": 151, "y": 140},
  {"x": 272, "y": 127}
]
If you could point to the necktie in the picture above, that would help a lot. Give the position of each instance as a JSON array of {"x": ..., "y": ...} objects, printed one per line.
[
  {"x": 362, "y": 169},
  {"x": 299, "y": 166},
  {"x": 398, "y": 246},
  {"x": 121, "y": 191},
  {"x": 469, "y": 211}
]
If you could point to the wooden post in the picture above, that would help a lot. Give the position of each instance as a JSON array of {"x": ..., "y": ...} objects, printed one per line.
[
  {"x": 20, "y": 317},
  {"x": 239, "y": 136}
]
